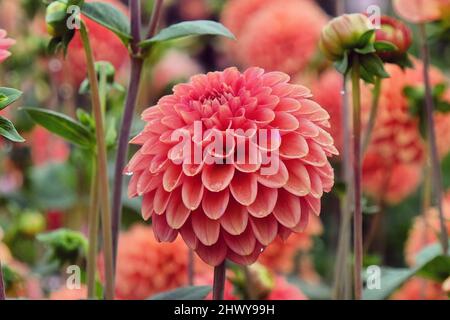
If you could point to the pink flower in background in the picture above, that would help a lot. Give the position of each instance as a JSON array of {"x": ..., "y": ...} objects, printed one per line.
[
  {"x": 227, "y": 209},
  {"x": 421, "y": 11},
  {"x": 274, "y": 36},
  {"x": 5, "y": 44},
  {"x": 420, "y": 289},
  {"x": 392, "y": 167},
  {"x": 65, "y": 293},
  {"x": 46, "y": 147},
  {"x": 425, "y": 231},
  {"x": 146, "y": 267}
]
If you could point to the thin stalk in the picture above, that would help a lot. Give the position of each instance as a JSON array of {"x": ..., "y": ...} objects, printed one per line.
[
  {"x": 102, "y": 164},
  {"x": 93, "y": 224},
  {"x": 341, "y": 281},
  {"x": 130, "y": 103},
  {"x": 358, "y": 219},
  {"x": 431, "y": 136},
  {"x": 2, "y": 284},
  {"x": 373, "y": 113},
  {"x": 219, "y": 281}
]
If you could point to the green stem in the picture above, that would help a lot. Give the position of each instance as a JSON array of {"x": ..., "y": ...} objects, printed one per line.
[
  {"x": 431, "y": 137},
  {"x": 102, "y": 165},
  {"x": 358, "y": 219},
  {"x": 373, "y": 113},
  {"x": 93, "y": 224}
]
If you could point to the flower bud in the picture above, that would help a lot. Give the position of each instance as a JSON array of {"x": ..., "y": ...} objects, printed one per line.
[
  {"x": 344, "y": 33},
  {"x": 55, "y": 17},
  {"x": 31, "y": 223},
  {"x": 395, "y": 32},
  {"x": 261, "y": 280}
]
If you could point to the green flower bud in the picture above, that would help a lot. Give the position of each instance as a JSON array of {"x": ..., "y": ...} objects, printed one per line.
[
  {"x": 344, "y": 33},
  {"x": 56, "y": 17}
]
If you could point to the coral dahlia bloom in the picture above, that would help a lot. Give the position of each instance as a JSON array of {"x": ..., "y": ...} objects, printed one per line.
[
  {"x": 425, "y": 230},
  {"x": 276, "y": 37},
  {"x": 392, "y": 167},
  {"x": 5, "y": 44},
  {"x": 229, "y": 202},
  {"x": 420, "y": 289},
  {"x": 106, "y": 46},
  {"x": 146, "y": 267},
  {"x": 421, "y": 11}
]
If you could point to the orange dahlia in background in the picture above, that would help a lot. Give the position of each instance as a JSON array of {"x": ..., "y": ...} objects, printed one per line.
[
  {"x": 274, "y": 36},
  {"x": 392, "y": 167},
  {"x": 106, "y": 46},
  {"x": 223, "y": 208},
  {"x": 279, "y": 256},
  {"x": 425, "y": 230},
  {"x": 420, "y": 289},
  {"x": 65, "y": 293},
  {"x": 146, "y": 267}
]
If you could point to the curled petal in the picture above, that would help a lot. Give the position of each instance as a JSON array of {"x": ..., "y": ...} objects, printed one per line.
[
  {"x": 214, "y": 204},
  {"x": 147, "y": 205},
  {"x": 188, "y": 234},
  {"x": 176, "y": 212},
  {"x": 244, "y": 188},
  {"x": 265, "y": 229},
  {"x": 299, "y": 181},
  {"x": 242, "y": 244},
  {"x": 192, "y": 192},
  {"x": 287, "y": 210},
  {"x": 235, "y": 219},
  {"x": 206, "y": 230},
  {"x": 214, "y": 254},
  {"x": 217, "y": 177},
  {"x": 264, "y": 203},
  {"x": 293, "y": 146},
  {"x": 172, "y": 177},
  {"x": 163, "y": 232},
  {"x": 284, "y": 121},
  {"x": 162, "y": 198},
  {"x": 246, "y": 260},
  {"x": 276, "y": 180}
]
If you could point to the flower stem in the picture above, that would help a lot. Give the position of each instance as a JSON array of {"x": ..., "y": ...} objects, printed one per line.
[
  {"x": 2, "y": 284},
  {"x": 130, "y": 103},
  {"x": 431, "y": 136},
  {"x": 219, "y": 281},
  {"x": 102, "y": 164},
  {"x": 357, "y": 221},
  {"x": 373, "y": 113},
  {"x": 93, "y": 232}
]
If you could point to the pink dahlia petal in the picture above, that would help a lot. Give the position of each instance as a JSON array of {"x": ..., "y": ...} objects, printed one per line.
[
  {"x": 299, "y": 182},
  {"x": 214, "y": 254},
  {"x": 242, "y": 244},
  {"x": 265, "y": 229},
  {"x": 276, "y": 180},
  {"x": 147, "y": 205},
  {"x": 287, "y": 210},
  {"x": 235, "y": 219},
  {"x": 192, "y": 192},
  {"x": 214, "y": 204},
  {"x": 176, "y": 212},
  {"x": 206, "y": 230},
  {"x": 162, "y": 198},
  {"x": 244, "y": 188},
  {"x": 188, "y": 235},
  {"x": 163, "y": 233},
  {"x": 294, "y": 146},
  {"x": 217, "y": 177},
  {"x": 264, "y": 203},
  {"x": 172, "y": 177}
]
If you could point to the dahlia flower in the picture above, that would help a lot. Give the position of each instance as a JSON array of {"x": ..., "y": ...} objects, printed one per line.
[
  {"x": 420, "y": 289},
  {"x": 106, "y": 46},
  {"x": 279, "y": 256},
  {"x": 421, "y": 11},
  {"x": 65, "y": 293},
  {"x": 146, "y": 267},
  {"x": 275, "y": 37},
  {"x": 425, "y": 230},
  {"x": 5, "y": 44},
  {"x": 258, "y": 168},
  {"x": 392, "y": 167}
]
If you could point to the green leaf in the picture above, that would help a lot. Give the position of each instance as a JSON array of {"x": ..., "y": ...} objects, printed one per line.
[
  {"x": 8, "y": 130},
  {"x": 366, "y": 38},
  {"x": 373, "y": 65},
  {"x": 184, "y": 293},
  {"x": 430, "y": 263},
  {"x": 312, "y": 291},
  {"x": 110, "y": 17},
  {"x": 342, "y": 65},
  {"x": 8, "y": 96},
  {"x": 62, "y": 125},
  {"x": 385, "y": 46},
  {"x": 189, "y": 28},
  {"x": 369, "y": 48}
]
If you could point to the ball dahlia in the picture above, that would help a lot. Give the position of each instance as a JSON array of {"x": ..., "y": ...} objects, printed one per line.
[
  {"x": 146, "y": 267},
  {"x": 276, "y": 37},
  {"x": 425, "y": 230},
  {"x": 230, "y": 202},
  {"x": 392, "y": 167}
]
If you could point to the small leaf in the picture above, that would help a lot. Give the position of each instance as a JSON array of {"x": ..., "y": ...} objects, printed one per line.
[
  {"x": 62, "y": 125},
  {"x": 373, "y": 65},
  {"x": 369, "y": 48},
  {"x": 385, "y": 46},
  {"x": 365, "y": 38},
  {"x": 8, "y": 96},
  {"x": 8, "y": 131},
  {"x": 342, "y": 65},
  {"x": 110, "y": 17},
  {"x": 189, "y": 28},
  {"x": 184, "y": 293}
]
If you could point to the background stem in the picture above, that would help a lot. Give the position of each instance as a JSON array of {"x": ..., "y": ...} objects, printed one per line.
[
  {"x": 2, "y": 284},
  {"x": 130, "y": 103},
  {"x": 431, "y": 137},
  {"x": 373, "y": 113},
  {"x": 358, "y": 219},
  {"x": 219, "y": 281},
  {"x": 102, "y": 164},
  {"x": 93, "y": 233},
  {"x": 191, "y": 267}
]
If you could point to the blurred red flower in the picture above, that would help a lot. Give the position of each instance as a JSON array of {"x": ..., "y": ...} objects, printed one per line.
[
  {"x": 420, "y": 289},
  {"x": 274, "y": 36},
  {"x": 5, "y": 44},
  {"x": 65, "y": 293},
  {"x": 421, "y": 11},
  {"x": 146, "y": 267},
  {"x": 226, "y": 208}
]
